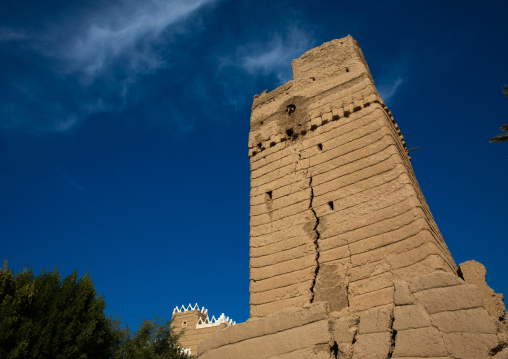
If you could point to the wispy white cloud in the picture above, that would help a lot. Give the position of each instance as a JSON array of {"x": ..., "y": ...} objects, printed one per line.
[
  {"x": 28, "y": 108},
  {"x": 129, "y": 30},
  {"x": 396, "y": 70},
  {"x": 95, "y": 58},
  {"x": 273, "y": 56},
  {"x": 70, "y": 180},
  {"x": 388, "y": 89},
  {"x": 7, "y": 34},
  {"x": 261, "y": 61},
  {"x": 54, "y": 119}
]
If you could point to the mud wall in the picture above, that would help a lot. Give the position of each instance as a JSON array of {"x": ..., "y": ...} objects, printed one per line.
[
  {"x": 336, "y": 212},
  {"x": 346, "y": 260}
]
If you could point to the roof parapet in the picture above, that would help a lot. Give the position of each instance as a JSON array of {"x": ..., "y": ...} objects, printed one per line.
[
  {"x": 189, "y": 308},
  {"x": 207, "y": 322}
]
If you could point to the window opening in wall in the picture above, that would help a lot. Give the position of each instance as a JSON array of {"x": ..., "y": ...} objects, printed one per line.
[
  {"x": 269, "y": 195},
  {"x": 290, "y": 109},
  {"x": 331, "y": 205},
  {"x": 347, "y": 70},
  {"x": 289, "y": 132},
  {"x": 184, "y": 324},
  {"x": 320, "y": 146}
]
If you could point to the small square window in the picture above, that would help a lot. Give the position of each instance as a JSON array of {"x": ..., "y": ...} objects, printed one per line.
[{"x": 184, "y": 324}]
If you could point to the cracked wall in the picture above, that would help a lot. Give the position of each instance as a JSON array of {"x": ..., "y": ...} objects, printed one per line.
[
  {"x": 346, "y": 260},
  {"x": 344, "y": 214},
  {"x": 317, "y": 235},
  {"x": 435, "y": 315}
]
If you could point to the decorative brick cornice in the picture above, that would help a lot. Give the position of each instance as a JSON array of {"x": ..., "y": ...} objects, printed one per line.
[{"x": 321, "y": 117}]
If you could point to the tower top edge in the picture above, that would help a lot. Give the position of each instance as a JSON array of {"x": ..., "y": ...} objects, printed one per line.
[{"x": 320, "y": 63}]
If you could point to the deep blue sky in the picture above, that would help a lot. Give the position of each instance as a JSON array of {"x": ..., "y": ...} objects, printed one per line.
[{"x": 124, "y": 126}]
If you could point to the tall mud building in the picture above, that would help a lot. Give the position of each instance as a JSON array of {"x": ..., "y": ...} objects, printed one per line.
[{"x": 346, "y": 260}]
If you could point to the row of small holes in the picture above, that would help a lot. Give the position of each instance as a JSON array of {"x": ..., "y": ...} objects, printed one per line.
[{"x": 290, "y": 133}]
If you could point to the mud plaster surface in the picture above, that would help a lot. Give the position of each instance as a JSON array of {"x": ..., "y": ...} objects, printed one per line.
[{"x": 346, "y": 260}]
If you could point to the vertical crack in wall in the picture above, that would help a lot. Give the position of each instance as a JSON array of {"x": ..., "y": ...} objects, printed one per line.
[
  {"x": 393, "y": 338},
  {"x": 390, "y": 269},
  {"x": 442, "y": 338},
  {"x": 334, "y": 350},
  {"x": 394, "y": 332},
  {"x": 348, "y": 275},
  {"x": 316, "y": 241},
  {"x": 334, "y": 346}
]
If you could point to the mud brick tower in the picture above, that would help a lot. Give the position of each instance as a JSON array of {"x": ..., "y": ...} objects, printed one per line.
[
  {"x": 346, "y": 260},
  {"x": 336, "y": 212}
]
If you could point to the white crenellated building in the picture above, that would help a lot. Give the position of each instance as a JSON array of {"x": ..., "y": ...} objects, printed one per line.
[{"x": 197, "y": 325}]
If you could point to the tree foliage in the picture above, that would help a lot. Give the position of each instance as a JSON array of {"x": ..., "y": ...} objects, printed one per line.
[
  {"x": 155, "y": 339},
  {"x": 46, "y": 317},
  {"x": 503, "y": 136}
]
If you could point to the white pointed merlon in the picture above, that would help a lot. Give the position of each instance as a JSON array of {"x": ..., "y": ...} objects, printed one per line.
[{"x": 207, "y": 321}]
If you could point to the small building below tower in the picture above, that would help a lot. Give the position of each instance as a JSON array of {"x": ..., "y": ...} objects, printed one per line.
[{"x": 196, "y": 325}]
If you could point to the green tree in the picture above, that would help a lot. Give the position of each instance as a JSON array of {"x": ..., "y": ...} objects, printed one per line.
[
  {"x": 46, "y": 317},
  {"x": 503, "y": 136},
  {"x": 154, "y": 339}
]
